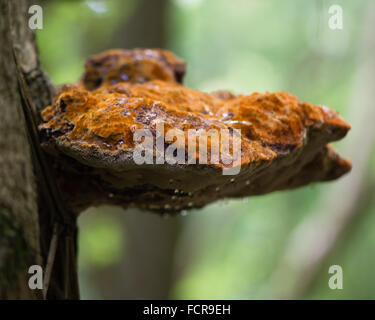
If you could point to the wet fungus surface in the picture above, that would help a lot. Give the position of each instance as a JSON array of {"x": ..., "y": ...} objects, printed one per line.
[{"x": 90, "y": 130}]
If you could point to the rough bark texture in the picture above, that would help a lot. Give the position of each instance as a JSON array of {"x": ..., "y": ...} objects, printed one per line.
[
  {"x": 28, "y": 210},
  {"x": 18, "y": 203}
]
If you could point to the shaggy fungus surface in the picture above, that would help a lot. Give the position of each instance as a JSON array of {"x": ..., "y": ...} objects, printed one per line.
[{"x": 92, "y": 125}]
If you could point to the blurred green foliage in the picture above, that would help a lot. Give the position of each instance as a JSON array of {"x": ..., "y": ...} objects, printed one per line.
[
  {"x": 74, "y": 30},
  {"x": 244, "y": 46},
  {"x": 102, "y": 240}
]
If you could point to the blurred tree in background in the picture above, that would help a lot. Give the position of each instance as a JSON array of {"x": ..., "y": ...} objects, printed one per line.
[{"x": 241, "y": 249}]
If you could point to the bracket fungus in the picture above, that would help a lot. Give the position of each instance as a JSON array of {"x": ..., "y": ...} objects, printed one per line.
[{"x": 91, "y": 127}]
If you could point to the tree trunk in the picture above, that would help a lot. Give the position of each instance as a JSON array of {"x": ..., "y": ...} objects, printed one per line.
[{"x": 29, "y": 211}]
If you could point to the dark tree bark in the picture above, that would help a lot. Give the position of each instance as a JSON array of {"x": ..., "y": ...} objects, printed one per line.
[
  {"x": 18, "y": 204},
  {"x": 30, "y": 206}
]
